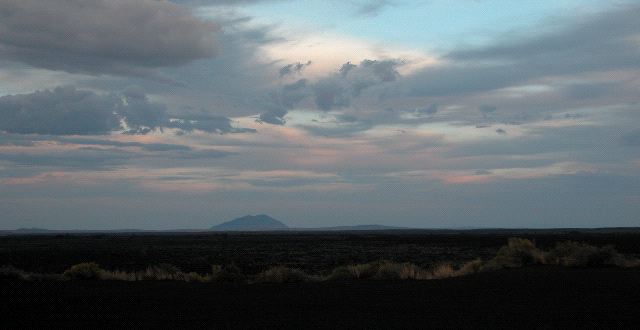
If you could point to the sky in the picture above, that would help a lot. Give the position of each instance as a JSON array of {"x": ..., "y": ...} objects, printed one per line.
[{"x": 182, "y": 114}]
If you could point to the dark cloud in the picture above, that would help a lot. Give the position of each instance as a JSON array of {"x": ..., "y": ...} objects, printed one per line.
[
  {"x": 139, "y": 113},
  {"x": 345, "y": 68},
  {"x": 283, "y": 100},
  {"x": 69, "y": 111},
  {"x": 62, "y": 111},
  {"x": 338, "y": 90},
  {"x": 237, "y": 82},
  {"x": 274, "y": 117},
  {"x": 293, "y": 68},
  {"x": 329, "y": 95},
  {"x": 103, "y": 36}
]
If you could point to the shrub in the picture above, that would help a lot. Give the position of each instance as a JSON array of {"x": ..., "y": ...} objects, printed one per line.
[
  {"x": 12, "y": 273},
  {"x": 470, "y": 267},
  {"x": 162, "y": 272},
  {"x": 355, "y": 272},
  {"x": 409, "y": 271},
  {"x": 85, "y": 271},
  {"x": 442, "y": 271},
  {"x": 575, "y": 254},
  {"x": 379, "y": 270},
  {"x": 229, "y": 273},
  {"x": 118, "y": 275},
  {"x": 400, "y": 271},
  {"x": 341, "y": 273},
  {"x": 366, "y": 271},
  {"x": 517, "y": 253},
  {"x": 281, "y": 274},
  {"x": 192, "y": 277},
  {"x": 384, "y": 270}
]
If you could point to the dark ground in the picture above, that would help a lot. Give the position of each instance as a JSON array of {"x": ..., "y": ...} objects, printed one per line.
[
  {"x": 537, "y": 297},
  {"x": 534, "y": 297},
  {"x": 313, "y": 252}
]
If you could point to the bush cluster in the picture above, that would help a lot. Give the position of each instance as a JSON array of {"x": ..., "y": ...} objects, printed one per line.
[{"x": 517, "y": 253}]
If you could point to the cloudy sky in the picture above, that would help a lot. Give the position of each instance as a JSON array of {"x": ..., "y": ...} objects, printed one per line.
[{"x": 183, "y": 114}]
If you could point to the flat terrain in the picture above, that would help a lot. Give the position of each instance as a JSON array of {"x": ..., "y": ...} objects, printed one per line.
[
  {"x": 532, "y": 297},
  {"x": 254, "y": 252},
  {"x": 536, "y": 297}
]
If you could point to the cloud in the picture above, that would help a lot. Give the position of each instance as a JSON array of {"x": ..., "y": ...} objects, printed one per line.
[
  {"x": 86, "y": 158},
  {"x": 274, "y": 117},
  {"x": 283, "y": 100},
  {"x": 337, "y": 90},
  {"x": 206, "y": 123},
  {"x": 632, "y": 138},
  {"x": 293, "y": 68},
  {"x": 371, "y": 7},
  {"x": 62, "y": 111},
  {"x": 69, "y": 111},
  {"x": 429, "y": 110},
  {"x": 103, "y": 36},
  {"x": 220, "y": 2},
  {"x": 330, "y": 92},
  {"x": 594, "y": 43}
]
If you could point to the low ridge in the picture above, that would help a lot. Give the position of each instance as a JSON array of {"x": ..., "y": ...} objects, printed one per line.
[{"x": 260, "y": 222}]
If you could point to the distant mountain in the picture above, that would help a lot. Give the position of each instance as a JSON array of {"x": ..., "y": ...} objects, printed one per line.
[{"x": 260, "y": 222}]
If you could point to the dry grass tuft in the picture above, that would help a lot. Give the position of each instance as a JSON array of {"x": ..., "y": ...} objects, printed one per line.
[
  {"x": 470, "y": 267},
  {"x": 440, "y": 271}
]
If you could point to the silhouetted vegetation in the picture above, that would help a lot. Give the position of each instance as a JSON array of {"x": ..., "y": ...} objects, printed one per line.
[
  {"x": 85, "y": 271},
  {"x": 517, "y": 253},
  {"x": 13, "y": 273},
  {"x": 574, "y": 254}
]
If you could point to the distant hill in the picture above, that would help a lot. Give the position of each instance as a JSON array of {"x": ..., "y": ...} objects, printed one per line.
[
  {"x": 31, "y": 230},
  {"x": 260, "y": 222},
  {"x": 351, "y": 228}
]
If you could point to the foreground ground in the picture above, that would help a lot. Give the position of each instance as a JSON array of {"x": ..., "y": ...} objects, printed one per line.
[{"x": 533, "y": 297}]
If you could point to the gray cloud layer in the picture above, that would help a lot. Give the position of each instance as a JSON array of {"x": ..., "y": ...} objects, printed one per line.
[
  {"x": 332, "y": 92},
  {"x": 103, "y": 36},
  {"x": 59, "y": 112},
  {"x": 597, "y": 43},
  {"x": 69, "y": 111}
]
